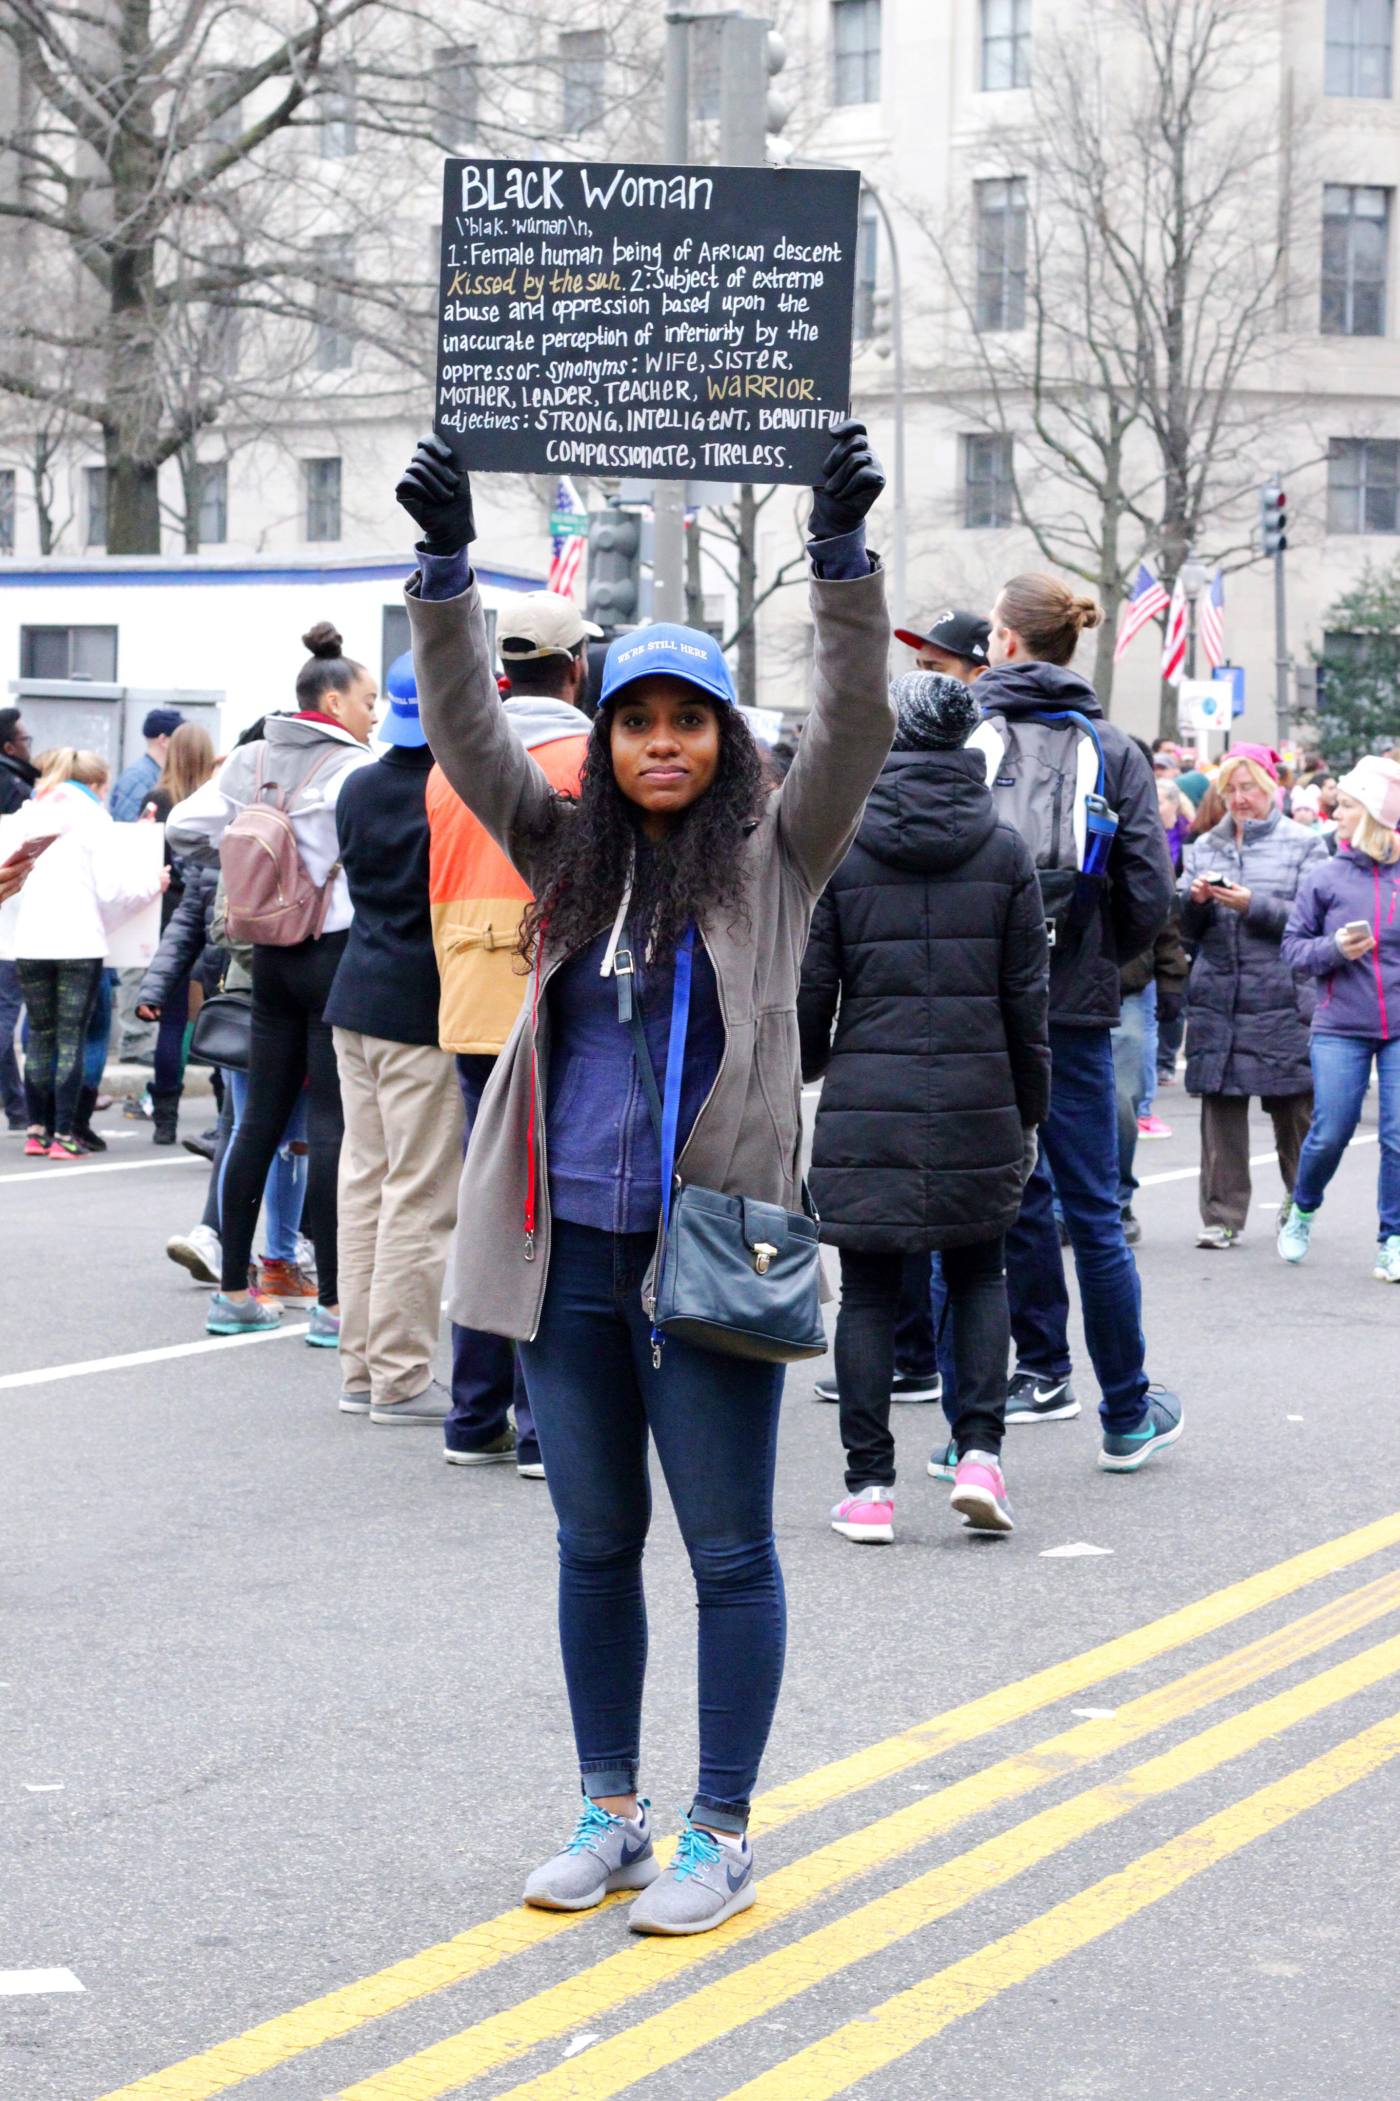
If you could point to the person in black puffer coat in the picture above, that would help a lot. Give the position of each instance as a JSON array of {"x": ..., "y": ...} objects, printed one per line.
[{"x": 931, "y": 936}]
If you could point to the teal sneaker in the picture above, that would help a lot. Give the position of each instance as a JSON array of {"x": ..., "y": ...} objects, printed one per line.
[
  {"x": 943, "y": 1461},
  {"x": 1294, "y": 1233},
  {"x": 1387, "y": 1267},
  {"x": 248, "y": 1316},
  {"x": 323, "y": 1330},
  {"x": 705, "y": 1884},
  {"x": 1124, "y": 1451}
]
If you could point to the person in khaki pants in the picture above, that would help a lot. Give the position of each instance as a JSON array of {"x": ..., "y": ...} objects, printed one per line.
[{"x": 403, "y": 1114}]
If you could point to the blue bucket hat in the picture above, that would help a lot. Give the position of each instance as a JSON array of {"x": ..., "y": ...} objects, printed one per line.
[
  {"x": 672, "y": 652},
  {"x": 401, "y": 725}
]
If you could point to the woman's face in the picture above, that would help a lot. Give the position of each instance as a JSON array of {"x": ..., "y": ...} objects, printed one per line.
[
  {"x": 1168, "y": 803},
  {"x": 1349, "y": 814},
  {"x": 1245, "y": 798},
  {"x": 354, "y": 708},
  {"x": 665, "y": 748}
]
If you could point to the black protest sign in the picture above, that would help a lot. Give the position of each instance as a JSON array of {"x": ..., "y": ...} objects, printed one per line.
[{"x": 678, "y": 323}]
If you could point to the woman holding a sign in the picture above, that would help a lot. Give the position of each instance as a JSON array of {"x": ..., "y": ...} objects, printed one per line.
[{"x": 631, "y": 1207}]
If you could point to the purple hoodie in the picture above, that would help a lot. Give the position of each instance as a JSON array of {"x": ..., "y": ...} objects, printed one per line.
[{"x": 1361, "y": 998}]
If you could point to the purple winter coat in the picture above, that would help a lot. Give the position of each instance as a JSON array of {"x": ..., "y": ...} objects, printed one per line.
[{"x": 1361, "y": 998}]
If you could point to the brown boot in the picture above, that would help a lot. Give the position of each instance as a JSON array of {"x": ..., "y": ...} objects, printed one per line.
[{"x": 284, "y": 1280}]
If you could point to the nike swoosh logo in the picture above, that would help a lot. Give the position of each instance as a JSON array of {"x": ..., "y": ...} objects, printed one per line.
[
  {"x": 1050, "y": 1393},
  {"x": 631, "y": 1853},
  {"x": 736, "y": 1881}
]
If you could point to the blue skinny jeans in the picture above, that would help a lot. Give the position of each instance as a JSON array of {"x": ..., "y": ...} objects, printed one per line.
[
  {"x": 1341, "y": 1074},
  {"x": 597, "y": 1400}
]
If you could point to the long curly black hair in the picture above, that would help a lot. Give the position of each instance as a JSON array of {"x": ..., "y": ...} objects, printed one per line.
[{"x": 693, "y": 874}]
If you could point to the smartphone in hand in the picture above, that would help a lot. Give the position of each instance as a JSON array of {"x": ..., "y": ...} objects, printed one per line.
[{"x": 24, "y": 856}]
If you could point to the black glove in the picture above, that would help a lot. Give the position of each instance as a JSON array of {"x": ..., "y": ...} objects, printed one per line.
[
  {"x": 437, "y": 494},
  {"x": 851, "y": 480}
]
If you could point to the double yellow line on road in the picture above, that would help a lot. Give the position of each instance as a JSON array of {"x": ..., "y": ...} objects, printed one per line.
[
  {"x": 688, "y": 2024},
  {"x": 503, "y": 2037}
]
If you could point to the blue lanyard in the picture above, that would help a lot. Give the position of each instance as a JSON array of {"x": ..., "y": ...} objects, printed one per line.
[{"x": 675, "y": 1069}]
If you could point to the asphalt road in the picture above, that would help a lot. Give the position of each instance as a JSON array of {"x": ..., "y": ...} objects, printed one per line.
[{"x": 281, "y": 1722}]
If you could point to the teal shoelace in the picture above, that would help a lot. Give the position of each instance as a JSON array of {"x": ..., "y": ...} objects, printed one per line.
[
  {"x": 695, "y": 1849},
  {"x": 593, "y": 1823}
]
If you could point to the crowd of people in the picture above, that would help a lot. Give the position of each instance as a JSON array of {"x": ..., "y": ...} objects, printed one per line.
[{"x": 534, "y": 990}]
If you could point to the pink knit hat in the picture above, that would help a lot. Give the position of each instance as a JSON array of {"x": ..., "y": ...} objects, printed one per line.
[{"x": 1375, "y": 784}]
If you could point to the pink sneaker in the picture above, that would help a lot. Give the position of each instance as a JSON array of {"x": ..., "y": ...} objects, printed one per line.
[
  {"x": 979, "y": 1494},
  {"x": 1153, "y": 1127},
  {"x": 868, "y": 1515}
]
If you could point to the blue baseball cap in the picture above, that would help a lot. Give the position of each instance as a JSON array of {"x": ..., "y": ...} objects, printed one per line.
[
  {"x": 401, "y": 725},
  {"x": 670, "y": 652}
]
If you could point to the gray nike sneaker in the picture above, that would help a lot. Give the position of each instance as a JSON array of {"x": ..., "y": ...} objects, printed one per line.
[
  {"x": 432, "y": 1405},
  {"x": 705, "y": 1884},
  {"x": 605, "y": 1853}
]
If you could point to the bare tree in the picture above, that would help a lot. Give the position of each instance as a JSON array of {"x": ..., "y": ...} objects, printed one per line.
[
  {"x": 178, "y": 171},
  {"x": 1113, "y": 355}
]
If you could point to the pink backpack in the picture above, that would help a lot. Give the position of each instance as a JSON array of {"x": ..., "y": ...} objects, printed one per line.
[{"x": 270, "y": 897}]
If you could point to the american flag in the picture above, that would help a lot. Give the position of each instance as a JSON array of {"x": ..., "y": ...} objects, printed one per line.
[
  {"x": 567, "y": 547},
  {"x": 564, "y": 568},
  {"x": 1212, "y": 622},
  {"x": 1174, "y": 646},
  {"x": 1146, "y": 600}
]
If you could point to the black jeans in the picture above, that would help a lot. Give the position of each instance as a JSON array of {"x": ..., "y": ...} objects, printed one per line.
[
  {"x": 59, "y": 998},
  {"x": 975, "y": 1280},
  {"x": 291, "y": 1047}
]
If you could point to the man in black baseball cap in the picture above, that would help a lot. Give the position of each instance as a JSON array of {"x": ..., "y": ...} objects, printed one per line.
[{"x": 953, "y": 643}]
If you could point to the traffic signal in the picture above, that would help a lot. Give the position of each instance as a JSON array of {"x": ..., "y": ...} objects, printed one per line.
[
  {"x": 1273, "y": 518},
  {"x": 614, "y": 568}
]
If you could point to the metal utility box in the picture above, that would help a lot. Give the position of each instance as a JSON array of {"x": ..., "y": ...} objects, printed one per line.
[{"x": 105, "y": 718}]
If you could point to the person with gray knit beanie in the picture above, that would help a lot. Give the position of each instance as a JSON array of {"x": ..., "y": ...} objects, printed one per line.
[
  {"x": 936, "y": 713},
  {"x": 923, "y": 1008}
]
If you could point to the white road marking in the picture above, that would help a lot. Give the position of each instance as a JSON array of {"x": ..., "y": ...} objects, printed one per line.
[
  {"x": 43, "y": 1787},
  {"x": 62, "y": 1171},
  {"x": 1190, "y": 1174},
  {"x": 580, "y": 2042},
  {"x": 1073, "y": 1551},
  {"x": 1293, "y": 1418},
  {"x": 1094, "y": 1714},
  {"x": 15, "y": 1982},
  {"x": 46, "y": 1373}
]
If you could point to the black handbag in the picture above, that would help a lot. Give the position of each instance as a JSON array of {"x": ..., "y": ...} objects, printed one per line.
[
  {"x": 223, "y": 1032},
  {"x": 733, "y": 1275}
]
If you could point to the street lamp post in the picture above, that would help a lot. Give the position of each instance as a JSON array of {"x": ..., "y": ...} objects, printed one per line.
[{"x": 899, "y": 558}]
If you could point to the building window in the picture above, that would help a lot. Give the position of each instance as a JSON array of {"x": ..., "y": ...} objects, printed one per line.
[
  {"x": 1001, "y": 253},
  {"x": 867, "y": 270},
  {"x": 1359, "y": 36},
  {"x": 855, "y": 51},
  {"x": 1363, "y": 479},
  {"x": 68, "y": 652},
  {"x": 394, "y": 639},
  {"x": 335, "y": 265},
  {"x": 457, "y": 89},
  {"x": 1006, "y": 43},
  {"x": 989, "y": 496},
  {"x": 212, "y": 483},
  {"x": 95, "y": 507},
  {"x": 7, "y": 510},
  {"x": 338, "y": 113},
  {"x": 1355, "y": 237},
  {"x": 323, "y": 499},
  {"x": 583, "y": 57}
]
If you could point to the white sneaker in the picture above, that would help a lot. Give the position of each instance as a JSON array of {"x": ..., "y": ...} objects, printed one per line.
[
  {"x": 199, "y": 1252},
  {"x": 1387, "y": 1267},
  {"x": 305, "y": 1255}
]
